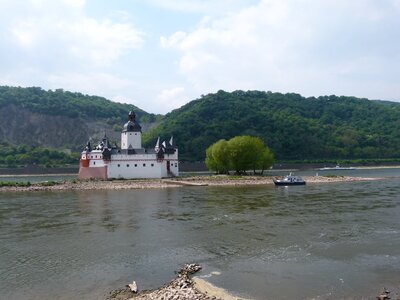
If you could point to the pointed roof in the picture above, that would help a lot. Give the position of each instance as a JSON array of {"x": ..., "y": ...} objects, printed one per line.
[
  {"x": 132, "y": 125},
  {"x": 157, "y": 146}
]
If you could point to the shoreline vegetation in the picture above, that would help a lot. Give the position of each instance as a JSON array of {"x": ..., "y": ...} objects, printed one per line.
[{"x": 205, "y": 180}]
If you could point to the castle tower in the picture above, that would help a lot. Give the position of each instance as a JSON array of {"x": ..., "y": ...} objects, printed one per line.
[{"x": 131, "y": 136}]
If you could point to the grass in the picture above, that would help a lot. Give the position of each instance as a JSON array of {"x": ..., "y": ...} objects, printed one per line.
[
  {"x": 49, "y": 183},
  {"x": 15, "y": 183},
  {"x": 27, "y": 183},
  {"x": 234, "y": 177}
]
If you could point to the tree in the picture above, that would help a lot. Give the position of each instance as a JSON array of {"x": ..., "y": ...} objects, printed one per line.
[
  {"x": 266, "y": 160},
  {"x": 220, "y": 152},
  {"x": 10, "y": 161},
  {"x": 217, "y": 157},
  {"x": 240, "y": 153},
  {"x": 210, "y": 161}
]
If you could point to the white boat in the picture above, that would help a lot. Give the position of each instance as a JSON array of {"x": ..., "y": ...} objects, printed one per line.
[
  {"x": 290, "y": 180},
  {"x": 337, "y": 167}
]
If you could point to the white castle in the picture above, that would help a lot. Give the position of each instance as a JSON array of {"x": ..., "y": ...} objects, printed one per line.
[{"x": 131, "y": 160}]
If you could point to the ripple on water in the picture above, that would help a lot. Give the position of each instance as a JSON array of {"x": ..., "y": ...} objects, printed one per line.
[{"x": 298, "y": 241}]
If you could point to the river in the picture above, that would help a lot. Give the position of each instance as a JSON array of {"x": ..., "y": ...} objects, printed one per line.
[{"x": 319, "y": 241}]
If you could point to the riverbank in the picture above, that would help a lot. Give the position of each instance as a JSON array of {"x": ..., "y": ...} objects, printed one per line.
[
  {"x": 214, "y": 180},
  {"x": 185, "y": 286},
  {"x": 182, "y": 287}
]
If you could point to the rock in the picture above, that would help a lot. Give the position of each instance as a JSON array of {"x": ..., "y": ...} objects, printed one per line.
[
  {"x": 179, "y": 288},
  {"x": 384, "y": 295},
  {"x": 133, "y": 287}
]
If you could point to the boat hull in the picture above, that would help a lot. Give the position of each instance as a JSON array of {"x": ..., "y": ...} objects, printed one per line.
[{"x": 280, "y": 183}]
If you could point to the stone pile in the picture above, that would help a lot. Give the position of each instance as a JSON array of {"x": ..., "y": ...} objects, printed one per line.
[{"x": 179, "y": 288}]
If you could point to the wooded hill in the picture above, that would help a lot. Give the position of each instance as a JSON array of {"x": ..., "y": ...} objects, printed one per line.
[
  {"x": 292, "y": 126},
  {"x": 61, "y": 119}
]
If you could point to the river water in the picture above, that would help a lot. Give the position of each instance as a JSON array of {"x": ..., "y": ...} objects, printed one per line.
[{"x": 320, "y": 241}]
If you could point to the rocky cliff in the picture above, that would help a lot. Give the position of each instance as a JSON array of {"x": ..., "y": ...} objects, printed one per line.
[
  {"x": 62, "y": 119},
  {"x": 22, "y": 126}
]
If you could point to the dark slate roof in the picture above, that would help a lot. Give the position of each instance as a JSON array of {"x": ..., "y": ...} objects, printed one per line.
[
  {"x": 133, "y": 151},
  {"x": 131, "y": 126}
]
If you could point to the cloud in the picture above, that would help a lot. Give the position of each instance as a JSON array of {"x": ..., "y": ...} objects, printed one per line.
[
  {"x": 58, "y": 37},
  {"x": 311, "y": 47},
  {"x": 66, "y": 30},
  {"x": 100, "y": 42},
  {"x": 172, "y": 98},
  {"x": 56, "y": 44},
  {"x": 202, "y": 6},
  {"x": 88, "y": 82},
  {"x": 305, "y": 46}
]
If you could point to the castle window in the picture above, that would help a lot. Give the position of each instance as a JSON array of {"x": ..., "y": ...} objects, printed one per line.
[
  {"x": 135, "y": 165},
  {"x": 135, "y": 133},
  {"x": 119, "y": 165},
  {"x": 94, "y": 162},
  {"x": 152, "y": 165},
  {"x": 176, "y": 164},
  {"x": 127, "y": 165},
  {"x": 144, "y": 165}
]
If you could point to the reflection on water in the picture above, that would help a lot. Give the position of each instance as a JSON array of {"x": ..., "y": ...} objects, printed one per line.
[{"x": 324, "y": 240}]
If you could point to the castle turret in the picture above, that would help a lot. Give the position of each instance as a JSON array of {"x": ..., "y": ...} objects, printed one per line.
[{"x": 131, "y": 136}]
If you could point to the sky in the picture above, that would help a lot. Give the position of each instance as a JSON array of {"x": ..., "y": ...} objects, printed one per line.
[{"x": 161, "y": 54}]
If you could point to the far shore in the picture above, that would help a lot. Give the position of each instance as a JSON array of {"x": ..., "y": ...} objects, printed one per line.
[{"x": 211, "y": 180}]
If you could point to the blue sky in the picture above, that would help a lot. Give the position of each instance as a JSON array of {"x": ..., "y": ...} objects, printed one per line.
[{"x": 161, "y": 54}]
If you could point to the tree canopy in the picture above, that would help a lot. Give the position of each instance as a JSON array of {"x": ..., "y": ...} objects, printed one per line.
[
  {"x": 294, "y": 127},
  {"x": 65, "y": 103},
  {"x": 22, "y": 155},
  {"x": 240, "y": 154}
]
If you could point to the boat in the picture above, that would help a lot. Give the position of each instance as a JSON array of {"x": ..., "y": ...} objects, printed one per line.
[
  {"x": 337, "y": 167},
  {"x": 290, "y": 180}
]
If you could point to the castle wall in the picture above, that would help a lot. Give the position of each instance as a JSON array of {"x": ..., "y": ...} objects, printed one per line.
[
  {"x": 133, "y": 139},
  {"x": 98, "y": 172},
  {"x": 130, "y": 166},
  {"x": 139, "y": 166}
]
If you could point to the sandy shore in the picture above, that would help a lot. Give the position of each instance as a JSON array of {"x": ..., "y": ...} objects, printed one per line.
[{"x": 215, "y": 180}]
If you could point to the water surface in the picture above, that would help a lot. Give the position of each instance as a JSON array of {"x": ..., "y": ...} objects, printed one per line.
[{"x": 337, "y": 240}]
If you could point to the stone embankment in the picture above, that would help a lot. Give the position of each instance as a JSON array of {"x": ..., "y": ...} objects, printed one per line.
[{"x": 218, "y": 180}]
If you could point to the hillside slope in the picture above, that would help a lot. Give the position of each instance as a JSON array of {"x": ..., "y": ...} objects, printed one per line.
[
  {"x": 61, "y": 119},
  {"x": 294, "y": 127}
]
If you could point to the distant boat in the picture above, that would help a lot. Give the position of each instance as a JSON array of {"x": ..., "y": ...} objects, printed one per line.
[
  {"x": 337, "y": 167},
  {"x": 290, "y": 180}
]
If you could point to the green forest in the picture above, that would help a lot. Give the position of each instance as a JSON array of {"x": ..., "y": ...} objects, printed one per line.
[
  {"x": 292, "y": 126},
  {"x": 22, "y": 155},
  {"x": 73, "y": 105}
]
